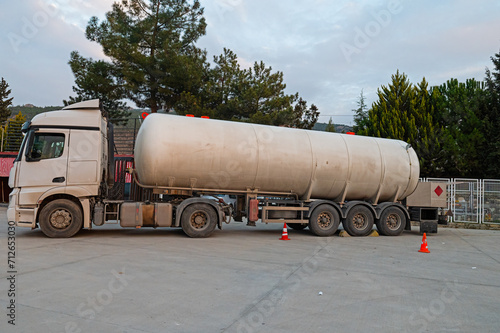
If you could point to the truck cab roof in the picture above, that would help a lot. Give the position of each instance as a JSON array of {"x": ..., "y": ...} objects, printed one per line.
[{"x": 85, "y": 114}]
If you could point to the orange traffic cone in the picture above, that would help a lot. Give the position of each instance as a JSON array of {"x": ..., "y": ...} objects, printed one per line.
[
  {"x": 284, "y": 235},
  {"x": 423, "y": 247}
]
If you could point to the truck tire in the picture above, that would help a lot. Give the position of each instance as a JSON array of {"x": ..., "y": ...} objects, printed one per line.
[
  {"x": 61, "y": 218},
  {"x": 392, "y": 222},
  {"x": 324, "y": 221},
  {"x": 198, "y": 220},
  {"x": 359, "y": 221}
]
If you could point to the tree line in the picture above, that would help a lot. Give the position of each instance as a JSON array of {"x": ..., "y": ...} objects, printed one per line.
[
  {"x": 453, "y": 127},
  {"x": 154, "y": 61}
]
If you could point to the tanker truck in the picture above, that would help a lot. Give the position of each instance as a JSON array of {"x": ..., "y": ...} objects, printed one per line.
[{"x": 63, "y": 177}]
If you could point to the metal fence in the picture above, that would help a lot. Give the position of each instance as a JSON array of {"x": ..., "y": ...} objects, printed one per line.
[
  {"x": 125, "y": 135},
  {"x": 472, "y": 200}
]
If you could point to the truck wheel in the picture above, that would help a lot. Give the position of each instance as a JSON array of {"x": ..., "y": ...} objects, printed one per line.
[
  {"x": 392, "y": 222},
  {"x": 61, "y": 218},
  {"x": 324, "y": 221},
  {"x": 297, "y": 226},
  {"x": 198, "y": 220},
  {"x": 359, "y": 221}
]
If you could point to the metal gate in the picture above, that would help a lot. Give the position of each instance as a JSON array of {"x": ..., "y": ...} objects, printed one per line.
[
  {"x": 491, "y": 201},
  {"x": 472, "y": 200}
]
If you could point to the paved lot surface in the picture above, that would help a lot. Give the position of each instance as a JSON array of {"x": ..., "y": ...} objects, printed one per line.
[{"x": 244, "y": 279}]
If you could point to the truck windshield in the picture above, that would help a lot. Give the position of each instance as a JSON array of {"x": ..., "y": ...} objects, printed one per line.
[{"x": 20, "y": 154}]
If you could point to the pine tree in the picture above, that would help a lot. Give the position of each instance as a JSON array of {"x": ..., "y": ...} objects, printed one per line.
[
  {"x": 152, "y": 45},
  {"x": 256, "y": 94},
  {"x": 461, "y": 105},
  {"x": 330, "y": 127},
  {"x": 361, "y": 116},
  {"x": 99, "y": 79},
  {"x": 491, "y": 121},
  {"x": 408, "y": 113},
  {"x": 12, "y": 133},
  {"x": 391, "y": 116},
  {"x": 5, "y": 101}
]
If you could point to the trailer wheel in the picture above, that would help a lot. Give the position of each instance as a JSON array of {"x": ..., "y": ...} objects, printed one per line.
[
  {"x": 359, "y": 221},
  {"x": 61, "y": 218},
  {"x": 198, "y": 220},
  {"x": 392, "y": 222},
  {"x": 324, "y": 221}
]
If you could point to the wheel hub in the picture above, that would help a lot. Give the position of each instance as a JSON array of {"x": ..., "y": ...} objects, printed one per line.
[
  {"x": 60, "y": 219},
  {"x": 198, "y": 220},
  {"x": 324, "y": 220},
  {"x": 393, "y": 221},
  {"x": 359, "y": 221}
]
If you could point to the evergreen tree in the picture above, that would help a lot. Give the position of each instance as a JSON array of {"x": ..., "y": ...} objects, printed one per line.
[
  {"x": 5, "y": 101},
  {"x": 460, "y": 106},
  {"x": 361, "y": 116},
  {"x": 330, "y": 127},
  {"x": 392, "y": 115},
  {"x": 491, "y": 121},
  {"x": 12, "y": 133},
  {"x": 99, "y": 79},
  {"x": 406, "y": 112},
  {"x": 304, "y": 117},
  {"x": 151, "y": 44},
  {"x": 256, "y": 95}
]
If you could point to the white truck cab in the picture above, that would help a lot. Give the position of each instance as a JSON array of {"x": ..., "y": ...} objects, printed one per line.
[{"x": 60, "y": 167}]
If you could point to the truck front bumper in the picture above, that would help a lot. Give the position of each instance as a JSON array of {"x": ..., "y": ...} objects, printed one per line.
[{"x": 23, "y": 217}]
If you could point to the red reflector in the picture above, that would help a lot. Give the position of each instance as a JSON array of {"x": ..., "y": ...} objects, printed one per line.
[
  {"x": 350, "y": 133},
  {"x": 144, "y": 115},
  {"x": 190, "y": 115},
  {"x": 438, "y": 191},
  {"x": 205, "y": 117}
]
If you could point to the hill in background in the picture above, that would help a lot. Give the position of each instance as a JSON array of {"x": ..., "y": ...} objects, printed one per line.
[{"x": 30, "y": 111}]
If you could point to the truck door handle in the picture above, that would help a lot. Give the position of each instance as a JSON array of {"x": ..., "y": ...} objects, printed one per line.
[{"x": 58, "y": 180}]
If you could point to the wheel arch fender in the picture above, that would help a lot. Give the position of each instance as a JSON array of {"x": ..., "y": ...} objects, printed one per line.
[
  {"x": 351, "y": 204},
  {"x": 314, "y": 204},
  {"x": 183, "y": 205},
  {"x": 77, "y": 194}
]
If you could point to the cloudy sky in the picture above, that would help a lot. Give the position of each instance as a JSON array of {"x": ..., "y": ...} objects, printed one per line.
[{"x": 328, "y": 50}]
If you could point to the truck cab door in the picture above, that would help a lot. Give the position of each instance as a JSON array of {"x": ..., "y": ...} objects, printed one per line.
[{"x": 43, "y": 165}]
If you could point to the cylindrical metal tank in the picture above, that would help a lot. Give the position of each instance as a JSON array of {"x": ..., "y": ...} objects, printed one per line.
[{"x": 179, "y": 151}]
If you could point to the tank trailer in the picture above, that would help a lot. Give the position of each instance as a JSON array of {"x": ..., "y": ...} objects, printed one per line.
[{"x": 64, "y": 174}]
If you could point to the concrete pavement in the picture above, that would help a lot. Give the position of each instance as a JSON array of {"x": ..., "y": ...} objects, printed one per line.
[{"x": 244, "y": 279}]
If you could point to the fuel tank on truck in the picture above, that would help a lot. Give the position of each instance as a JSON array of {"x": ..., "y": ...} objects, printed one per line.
[{"x": 177, "y": 151}]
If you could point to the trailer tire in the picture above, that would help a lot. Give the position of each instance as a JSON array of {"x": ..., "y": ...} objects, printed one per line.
[
  {"x": 198, "y": 220},
  {"x": 392, "y": 222},
  {"x": 324, "y": 221},
  {"x": 61, "y": 218},
  {"x": 359, "y": 221}
]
